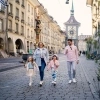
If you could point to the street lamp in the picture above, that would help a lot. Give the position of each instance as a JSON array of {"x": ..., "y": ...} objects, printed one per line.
[{"x": 67, "y": 1}]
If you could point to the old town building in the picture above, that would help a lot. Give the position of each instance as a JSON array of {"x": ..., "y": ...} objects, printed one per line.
[
  {"x": 21, "y": 30},
  {"x": 82, "y": 45},
  {"x": 95, "y": 8}
]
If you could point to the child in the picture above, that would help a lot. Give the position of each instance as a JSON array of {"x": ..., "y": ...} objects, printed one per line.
[
  {"x": 53, "y": 65},
  {"x": 30, "y": 68}
]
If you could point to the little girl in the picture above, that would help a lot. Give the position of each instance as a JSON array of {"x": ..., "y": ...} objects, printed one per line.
[
  {"x": 30, "y": 65},
  {"x": 53, "y": 65}
]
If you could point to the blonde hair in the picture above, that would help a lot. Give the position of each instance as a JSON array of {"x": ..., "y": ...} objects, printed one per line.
[
  {"x": 39, "y": 44},
  {"x": 30, "y": 57}
]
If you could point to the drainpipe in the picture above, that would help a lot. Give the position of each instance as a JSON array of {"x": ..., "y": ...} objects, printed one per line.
[{"x": 6, "y": 33}]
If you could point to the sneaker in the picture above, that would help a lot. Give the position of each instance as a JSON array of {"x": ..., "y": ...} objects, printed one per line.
[
  {"x": 74, "y": 80},
  {"x": 30, "y": 84},
  {"x": 70, "y": 81},
  {"x": 52, "y": 82},
  {"x": 41, "y": 83}
]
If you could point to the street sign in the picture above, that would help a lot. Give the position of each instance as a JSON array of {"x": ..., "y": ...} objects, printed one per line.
[{"x": 3, "y": 2}]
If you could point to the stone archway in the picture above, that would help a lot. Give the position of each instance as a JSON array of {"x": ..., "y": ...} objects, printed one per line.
[
  {"x": 10, "y": 45},
  {"x": 1, "y": 43},
  {"x": 19, "y": 45}
]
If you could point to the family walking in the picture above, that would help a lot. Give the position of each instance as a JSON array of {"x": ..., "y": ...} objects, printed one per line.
[{"x": 41, "y": 59}]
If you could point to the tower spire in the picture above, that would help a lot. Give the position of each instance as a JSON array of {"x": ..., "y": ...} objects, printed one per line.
[{"x": 72, "y": 10}]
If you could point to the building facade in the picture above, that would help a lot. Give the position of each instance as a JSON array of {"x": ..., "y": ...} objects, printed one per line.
[
  {"x": 82, "y": 45},
  {"x": 21, "y": 25},
  {"x": 95, "y": 9},
  {"x": 72, "y": 27}
]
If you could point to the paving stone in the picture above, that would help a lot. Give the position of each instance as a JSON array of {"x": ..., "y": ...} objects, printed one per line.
[{"x": 14, "y": 84}]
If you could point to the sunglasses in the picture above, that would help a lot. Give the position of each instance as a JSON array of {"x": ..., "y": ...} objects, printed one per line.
[{"x": 71, "y": 48}]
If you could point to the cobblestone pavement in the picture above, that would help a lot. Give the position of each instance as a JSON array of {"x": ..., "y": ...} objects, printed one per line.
[
  {"x": 10, "y": 63},
  {"x": 14, "y": 84}
]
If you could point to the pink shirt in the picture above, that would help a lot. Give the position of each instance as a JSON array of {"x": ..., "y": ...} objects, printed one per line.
[
  {"x": 72, "y": 53},
  {"x": 51, "y": 64}
]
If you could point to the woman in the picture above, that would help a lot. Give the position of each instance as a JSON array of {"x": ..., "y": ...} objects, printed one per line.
[{"x": 42, "y": 57}]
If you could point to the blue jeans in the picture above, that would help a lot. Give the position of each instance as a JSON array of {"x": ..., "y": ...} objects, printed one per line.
[
  {"x": 54, "y": 74},
  {"x": 41, "y": 69},
  {"x": 71, "y": 69}
]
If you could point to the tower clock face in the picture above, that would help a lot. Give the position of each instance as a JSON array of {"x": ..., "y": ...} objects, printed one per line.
[{"x": 72, "y": 32}]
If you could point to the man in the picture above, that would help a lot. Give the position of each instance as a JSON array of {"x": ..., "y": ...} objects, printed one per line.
[{"x": 72, "y": 58}]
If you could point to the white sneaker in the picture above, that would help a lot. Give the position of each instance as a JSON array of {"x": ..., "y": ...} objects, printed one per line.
[
  {"x": 30, "y": 84},
  {"x": 74, "y": 80},
  {"x": 52, "y": 82},
  {"x": 70, "y": 81},
  {"x": 41, "y": 82}
]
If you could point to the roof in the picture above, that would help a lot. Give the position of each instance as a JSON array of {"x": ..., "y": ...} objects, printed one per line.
[
  {"x": 83, "y": 37},
  {"x": 72, "y": 21}
]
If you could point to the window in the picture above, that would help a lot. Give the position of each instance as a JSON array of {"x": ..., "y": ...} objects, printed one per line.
[
  {"x": 10, "y": 24},
  {"x": 28, "y": 32},
  {"x": 22, "y": 15},
  {"x": 28, "y": 7},
  {"x": 22, "y": 2},
  {"x": 22, "y": 29},
  {"x": 32, "y": 34},
  {"x": 16, "y": 27},
  {"x": 28, "y": 20},
  {"x": 10, "y": 8},
  {"x": 2, "y": 7},
  {"x": 31, "y": 22},
  {"x": 32, "y": 10},
  {"x": 17, "y": 12},
  {"x": 1, "y": 24}
]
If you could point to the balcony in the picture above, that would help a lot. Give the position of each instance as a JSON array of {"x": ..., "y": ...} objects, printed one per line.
[
  {"x": 9, "y": 29},
  {"x": 32, "y": 37},
  {"x": 22, "y": 34},
  {"x": 10, "y": 14},
  {"x": 23, "y": 5},
  {"x": 28, "y": 36},
  {"x": 2, "y": 11},
  {"x": 29, "y": 24},
  {"x": 16, "y": 18},
  {"x": 17, "y": 32},
  {"x": 17, "y": 1},
  {"x": 22, "y": 21}
]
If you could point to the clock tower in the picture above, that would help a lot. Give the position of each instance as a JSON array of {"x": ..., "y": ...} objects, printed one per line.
[{"x": 72, "y": 27}]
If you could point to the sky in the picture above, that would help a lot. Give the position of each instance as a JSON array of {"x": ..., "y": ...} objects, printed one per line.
[{"x": 61, "y": 13}]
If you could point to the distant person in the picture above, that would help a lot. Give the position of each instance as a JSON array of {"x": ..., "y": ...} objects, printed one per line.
[
  {"x": 71, "y": 52},
  {"x": 42, "y": 57},
  {"x": 53, "y": 65},
  {"x": 30, "y": 65}
]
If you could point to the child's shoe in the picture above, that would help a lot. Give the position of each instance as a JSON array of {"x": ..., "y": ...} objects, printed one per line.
[{"x": 30, "y": 84}]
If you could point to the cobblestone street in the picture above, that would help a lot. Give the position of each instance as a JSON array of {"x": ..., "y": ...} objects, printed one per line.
[{"x": 14, "y": 84}]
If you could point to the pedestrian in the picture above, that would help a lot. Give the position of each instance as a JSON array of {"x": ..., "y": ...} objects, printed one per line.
[
  {"x": 53, "y": 65},
  {"x": 71, "y": 52},
  {"x": 42, "y": 57},
  {"x": 30, "y": 65}
]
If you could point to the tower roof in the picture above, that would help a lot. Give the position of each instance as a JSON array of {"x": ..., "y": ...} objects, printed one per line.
[
  {"x": 72, "y": 20},
  {"x": 72, "y": 10}
]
